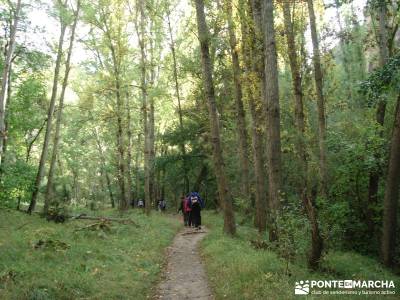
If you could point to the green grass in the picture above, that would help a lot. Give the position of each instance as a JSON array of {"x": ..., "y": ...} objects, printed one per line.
[
  {"x": 121, "y": 264},
  {"x": 237, "y": 270}
]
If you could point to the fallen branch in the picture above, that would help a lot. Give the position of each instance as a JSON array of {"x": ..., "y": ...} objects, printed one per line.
[
  {"x": 101, "y": 225},
  {"x": 51, "y": 244},
  {"x": 104, "y": 219},
  {"x": 23, "y": 225}
]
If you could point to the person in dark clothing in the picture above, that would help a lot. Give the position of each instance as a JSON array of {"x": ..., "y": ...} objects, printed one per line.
[
  {"x": 162, "y": 205},
  {"x": 195, "y": 213},
  {"x": 195, "y": 204}
]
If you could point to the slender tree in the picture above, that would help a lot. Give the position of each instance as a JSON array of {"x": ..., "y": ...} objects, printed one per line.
[
  {"x": 273, "y": 114},
  {"x": 316, "y": 240},
  {"x": 380, "y": 115},
  {"x": 6, "y": 76},
  {"x": 219, "y": 167},
  {"x": 180, "y": 113},
  {"x": 49, "y": 188},
  {"x": 240, "y": 113},
  {"x": 141, "y": 33},
  {"x": 103, "y": 167},
  {"x": 391, "y": 200},
  {"x": 113, "y": 34},
  {"x": 137, "y": 162},
  {"x": 318, "y": 77},
  {"x": 6, "y": 117},
  {"x": 50, "y": 113},
  {"x": 152, "y": 79},
  {"x": 253, "y": 82},
  {"x": 129, "y": 150}
]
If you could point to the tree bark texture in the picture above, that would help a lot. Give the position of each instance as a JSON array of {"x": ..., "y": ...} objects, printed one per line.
[{"x": 219, "y": 167}]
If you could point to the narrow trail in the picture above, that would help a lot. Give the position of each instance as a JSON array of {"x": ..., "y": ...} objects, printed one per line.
[{"x": 184, "y": 276}]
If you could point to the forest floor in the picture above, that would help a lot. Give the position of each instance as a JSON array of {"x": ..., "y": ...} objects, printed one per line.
[
  {"x": 74, "y": 260},
  {"x": 184, "y": 276},
  {"x": 44, "y": 260}
]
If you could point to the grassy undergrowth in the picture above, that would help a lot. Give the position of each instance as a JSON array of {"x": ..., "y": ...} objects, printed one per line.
[
  {"x": 123, "y": 263},
  {"x": 237, "y": 270}
]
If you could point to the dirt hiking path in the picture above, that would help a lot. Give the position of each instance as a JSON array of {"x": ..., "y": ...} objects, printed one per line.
[{"x": 185, "y": 277}]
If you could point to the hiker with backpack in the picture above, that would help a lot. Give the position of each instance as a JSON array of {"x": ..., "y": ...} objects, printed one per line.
[
  {"x": 184, "y": 207},
  {"x": 195, "y": 204}
]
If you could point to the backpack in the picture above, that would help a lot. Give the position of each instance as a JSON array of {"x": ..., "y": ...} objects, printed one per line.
[{"x": 186, "y": 206}]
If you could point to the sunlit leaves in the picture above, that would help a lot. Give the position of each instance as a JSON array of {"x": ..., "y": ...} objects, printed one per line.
[{"x": 382, "y": 80}]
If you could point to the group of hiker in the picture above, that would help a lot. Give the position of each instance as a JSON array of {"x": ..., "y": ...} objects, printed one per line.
[
  {"x": 161, "y": 204},
  {"x": 191, "y": 206}
]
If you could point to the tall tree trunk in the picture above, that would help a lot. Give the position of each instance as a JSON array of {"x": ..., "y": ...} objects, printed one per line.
[
  {"x": 143, "y": 67},
  {"x": 50, "y": 114},
  {"x": 75, "y": 188},
  {"x": 240, "y": 113},
  {"x": 273, "y": 114},
  {"x": 298, "y": 95},
  {"x": 152, "y": 150},
  {"x": 180, "y": 114},
  {"x": 123, "y": 203},
  {"x": 259, "y": 112},
  {"x": 103, "y": 166},
  {"x": 5, "y": 76},
  {"x": 161, "y": 181},
  {"x": 254, "y": 92},
  {"x": 137, "y": 179},
  {"x": 391, "y": 200},
  {"x": 383, "y": 36},
  {"x": 129, "y": 156},
  {"x": 6, "y": 124},
  {"x": 66, "y": 196},
  {"x": 316, "y": 240},
  {"x": 224, "y": 194},
  {"x": 110, "y": 193},
  {"x": 320, "y": 102},
  {"x": 49, "y": 188},
  {"x": 29, "y": 145},
  {"x": 380, "y": 119},
  {"x": 121, "y": 145}
]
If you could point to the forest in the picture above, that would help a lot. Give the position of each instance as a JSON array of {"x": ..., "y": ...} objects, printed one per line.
[{"x": 283, "y": 115}]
